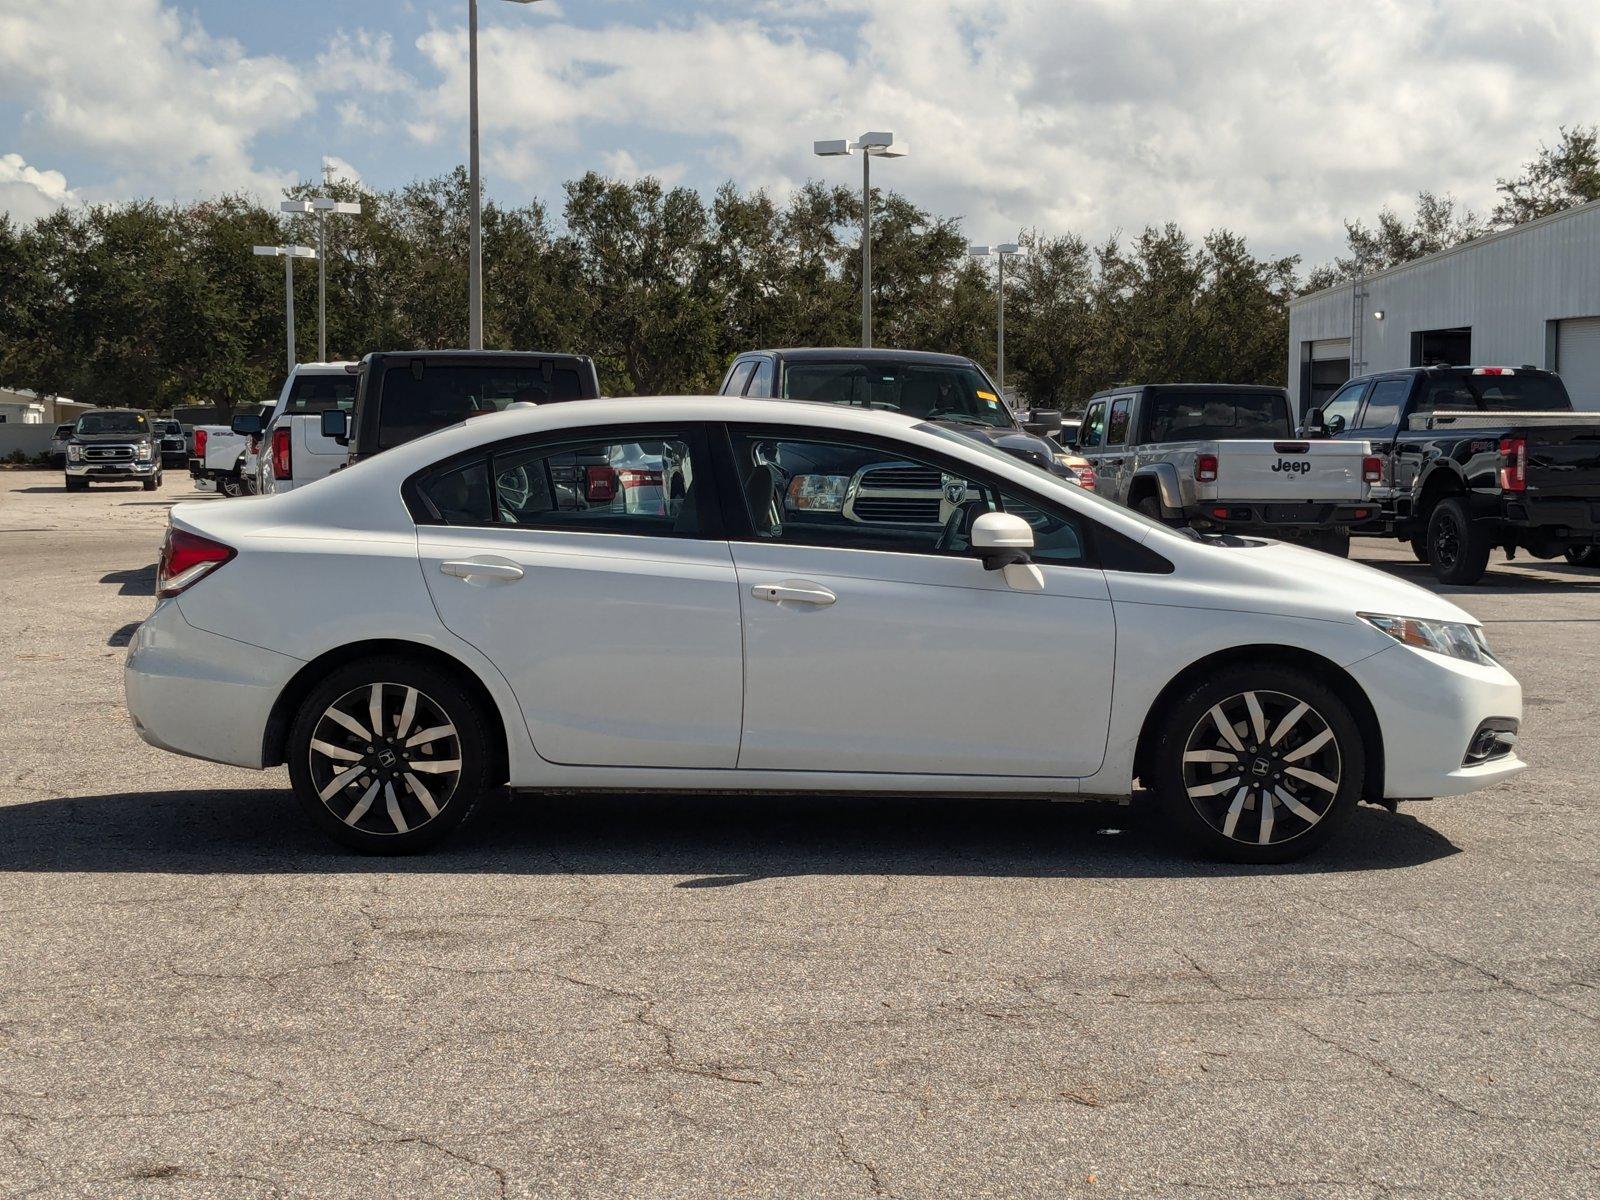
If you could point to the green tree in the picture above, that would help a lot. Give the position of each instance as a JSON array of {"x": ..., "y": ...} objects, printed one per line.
[{"x": 1558, "y": 178}]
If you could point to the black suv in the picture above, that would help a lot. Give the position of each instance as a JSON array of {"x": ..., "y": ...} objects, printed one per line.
[
  {"x": 943, "y": 389},
  {"x": 113, "y": 445}
]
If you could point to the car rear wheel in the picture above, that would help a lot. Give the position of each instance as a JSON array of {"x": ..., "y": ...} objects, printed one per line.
[
  {"x": 388, "y": 755},
  {"x": 1458, "y": 546},
  {"x": 1584, "y": 556},
  {"x": 1257, "y": 764}
]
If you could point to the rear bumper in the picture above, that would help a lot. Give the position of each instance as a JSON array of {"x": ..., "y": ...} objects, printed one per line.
[
  {"x": 1429, "y": 709},
  {"x": 1577, "y": 519},
  {"x": 1277, "y": 517},
  {"x": 200, "y": 694}
]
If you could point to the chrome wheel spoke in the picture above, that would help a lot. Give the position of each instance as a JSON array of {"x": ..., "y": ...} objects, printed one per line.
[
  {"x": 1234, "y": 809},
  {"x": 375, "y": 708},
  {"x": 1266, "y": 820},
  {"x": 1211, "y": 756},
  {"x": 1213, "y": 789},
  {"x": 1297, "y": 808},
  {"x": 430, "y": 735},
  {"x": 350, "y": 723},
  {"x": 441, "y": 766},
  {"x": 340, "y": 781},
  {"x": 1225, "y": 728},
  {"x": 337, "y": 753},
  {"x": 408, "y": 712},
  {"x": 1288, "y": 722},
  {"x": 1258, "y": 720},
  {"x": 423, "y": 795},
  {"x": 1309, "y": 748},
  {"x": 1314, "y": 779},
  {"x": 360, "y": 810},
  {"x": 392, "y": 802}
]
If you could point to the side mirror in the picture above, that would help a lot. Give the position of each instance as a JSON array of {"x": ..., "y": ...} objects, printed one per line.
[
  {"x": 1002, "y": 542},
  {"x": 336, "y": 425},
  {"x": 248, "y": 424},
  {"x": 1313, "y": 425}
]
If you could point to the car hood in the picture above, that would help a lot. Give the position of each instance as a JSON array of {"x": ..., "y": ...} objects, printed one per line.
[
  {"x": 1029, "y": 447},
  {"x": 1297, "y": 580}
]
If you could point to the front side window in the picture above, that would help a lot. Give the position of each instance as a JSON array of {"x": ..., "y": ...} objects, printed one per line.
[
  {"x": 863, "y": 496},
  {"x": 761, "y": 381},
  {"x": 1117, "y": 429},
  {"x": 643, "y": 487},
  {"x": 1340, "y": 412},
  {"x": 960, "y": 394},
  {"x": 1094, "y": 426},
  {"x": 1384, "y": 405},
  {"x": 418, "y": 398}
]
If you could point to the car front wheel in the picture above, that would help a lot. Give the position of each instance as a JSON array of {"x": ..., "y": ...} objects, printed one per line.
[
  {"x": 388, "y": 755},
  {"x": 1257, "y": 764}
]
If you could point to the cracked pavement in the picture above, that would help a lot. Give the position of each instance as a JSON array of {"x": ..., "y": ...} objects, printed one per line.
[{"x": 681, "y": 996}]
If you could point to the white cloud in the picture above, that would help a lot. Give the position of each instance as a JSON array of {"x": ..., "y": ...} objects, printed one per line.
[
  {"x": 337, "y": 168},
  {"x": 28, "y": 193}
]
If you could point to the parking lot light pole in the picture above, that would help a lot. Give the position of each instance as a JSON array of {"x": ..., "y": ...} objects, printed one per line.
[
  {"x": 871, "y": 145},
  {"x": 475, "y": 249},
  {"x": 321, "y": 206},
  {"x": 1000, "y": 252},
  {"x": 288, "y": 254}
]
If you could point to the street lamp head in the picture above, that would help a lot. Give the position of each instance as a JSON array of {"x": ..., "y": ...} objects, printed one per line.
[
  {"x": 300, "y": 251},
  {"x": 1008, "y": 248},
  {"x": 328, "y": 204},
  {"x": 978, "y": 251},
  {"x": 267, "y": 251},
  {"x": 831, "y": 148},
  {"x": 295, "y": 206},
  {"x": 875, "y": 141}
]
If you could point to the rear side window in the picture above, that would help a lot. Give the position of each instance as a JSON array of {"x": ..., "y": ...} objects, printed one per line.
[
  {"x": 418, "y": 399},
  {"x": 1117, "y": 430},
  {"x": 318, "y": 393},
  {"x": 1384, "y": 405},
  {"x": 1205, "y": 416},
  {"x": 738, "y": 377}
]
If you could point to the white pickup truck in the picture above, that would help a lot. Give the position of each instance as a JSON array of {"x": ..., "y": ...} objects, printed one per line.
[
  {"x": 1224, "y": 458},
  {"x": 216, "y": 463},
  {"x": 293, "y": 450}
]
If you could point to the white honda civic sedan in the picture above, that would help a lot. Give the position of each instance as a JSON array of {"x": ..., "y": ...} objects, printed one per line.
[{"x": 827, "y": 600}]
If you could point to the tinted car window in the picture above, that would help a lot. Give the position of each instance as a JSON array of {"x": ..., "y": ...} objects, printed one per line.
[
  {"x": 1094, "y": 425},
  {"x": 1384, "y": 405},
  {"x": 113, "y": 422},
  {"x": 1515, "y": 393},
  {"x": 1340, "y": 412},
  {"x": 317, "y": 393},
  {"x": 859, "y": 496},
  {"x": 931, "y": 392},
  {"x": 761, "y": 381},
  {"x": 419, "y": 400},
  {"x": 737, "y": 378},
  {"x": 1117, "y": 429},
  {"x": 1204, "y": 416}
]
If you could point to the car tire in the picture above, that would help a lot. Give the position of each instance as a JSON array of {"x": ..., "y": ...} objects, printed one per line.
[
  {"x": 1150, "y": 506},
  {"x": 151, "y": 485},
  {"x": 75, "y": 484},
  {"x": 1270, "y": 800},
  {"x": 231, "y": 486},
  {"x": 1458, "y": 546},
  {"x": 1331, "y": 541},
  {"x": 379, "y": 809},
  {"x": 1584, "y": 556},
  {"x": 1419, "y": 547}
]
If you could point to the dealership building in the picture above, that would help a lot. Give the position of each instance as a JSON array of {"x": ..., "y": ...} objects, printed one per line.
[{"x": 1527, "y": 296}]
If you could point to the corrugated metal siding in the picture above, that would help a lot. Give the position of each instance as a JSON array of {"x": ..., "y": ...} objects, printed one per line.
[{"x": 1506, "y": 287}]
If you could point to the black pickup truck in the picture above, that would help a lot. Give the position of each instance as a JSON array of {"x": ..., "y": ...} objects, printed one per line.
[
  {"x": 1474, "y": 458},
  {"x": 403, "y": 394}
]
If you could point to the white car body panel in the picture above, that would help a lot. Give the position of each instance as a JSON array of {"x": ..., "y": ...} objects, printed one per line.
[
  {"x": 644, "y": 680},
  {"x": 1254, "y": 470}
]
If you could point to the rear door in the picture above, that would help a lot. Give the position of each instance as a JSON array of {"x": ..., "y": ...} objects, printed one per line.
[{"x": 602, "y": 590}]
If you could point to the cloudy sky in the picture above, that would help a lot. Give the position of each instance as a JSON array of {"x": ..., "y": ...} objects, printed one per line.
[{"x": 1276, "y": 118}]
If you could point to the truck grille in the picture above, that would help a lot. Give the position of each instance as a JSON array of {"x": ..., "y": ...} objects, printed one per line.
[
  {"x": 108, "y": 453},
  {"x": 896, "y": 494}
]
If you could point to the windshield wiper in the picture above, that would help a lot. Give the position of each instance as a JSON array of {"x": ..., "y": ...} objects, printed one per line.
[{"x": 959, "y": 418}]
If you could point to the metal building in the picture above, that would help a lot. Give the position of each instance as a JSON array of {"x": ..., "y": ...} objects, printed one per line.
[{"x": 1525, "y": 296}]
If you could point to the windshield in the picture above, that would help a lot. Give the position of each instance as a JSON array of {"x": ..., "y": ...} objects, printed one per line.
[
  {"x": 1050, "y": 484},
  {"x": 113, "y": 422},
  {"x": 318, "y": 393},
  {"x": 415, "y": 402},
  {"x": 1191, "y": 416},
  {"x": 962, "y": 394},
  {"x": 1500, "y": 393}
]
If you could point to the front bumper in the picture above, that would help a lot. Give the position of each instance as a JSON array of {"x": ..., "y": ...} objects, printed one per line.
[
  {"x": 201, "y": 694},
  {"x": 112, "y": 470},
  {"x": 1429, "y": 709}
]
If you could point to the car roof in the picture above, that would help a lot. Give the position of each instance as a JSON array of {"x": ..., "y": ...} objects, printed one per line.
[
  {"x": 1191, "y": 387},
  {"x": 1450, "y": 369},
  {"x": 859, "y": 354},
  {"x": 473, "y": 355}
]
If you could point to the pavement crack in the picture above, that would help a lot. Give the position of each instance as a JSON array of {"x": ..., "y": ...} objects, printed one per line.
[{"x": 874, "y": 1177}]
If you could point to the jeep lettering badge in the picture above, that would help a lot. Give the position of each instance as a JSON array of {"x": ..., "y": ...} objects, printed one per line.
[{"x": 1296, "y": 466}]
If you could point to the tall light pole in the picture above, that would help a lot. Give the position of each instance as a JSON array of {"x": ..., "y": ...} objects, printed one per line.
[
  {"x": 288, "y": 254},
  {"x": 475, "y": 250},
  {"x": 322, "y": 206},
  {"x": 1000, "y": 252},
  {"x": 871, "y": 145}
]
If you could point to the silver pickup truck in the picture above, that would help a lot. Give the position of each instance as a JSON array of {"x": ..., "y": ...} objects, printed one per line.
[{"x": 1225, "y": 458}]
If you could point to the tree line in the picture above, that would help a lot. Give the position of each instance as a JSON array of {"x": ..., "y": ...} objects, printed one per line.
[{"x": 157, "y": 305}]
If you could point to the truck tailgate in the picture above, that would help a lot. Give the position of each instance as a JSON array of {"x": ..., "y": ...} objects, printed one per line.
[
  {"x": 1563, "y": 460},
  {"x": 1290, "y": 470}
]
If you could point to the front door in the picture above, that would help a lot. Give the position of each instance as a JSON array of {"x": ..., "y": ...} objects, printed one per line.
[
  {"x": 589, "y": 572},
  {"x": 875, "y": 642}
]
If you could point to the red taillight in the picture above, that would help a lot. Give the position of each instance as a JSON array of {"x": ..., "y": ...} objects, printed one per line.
[
  {"x": 1220, "y": 513},
  {"x": 200, "y": 436},
  {"x": 1205, "y": 468},
  {"x": 1514, "y": 467},
  {"x": 282, "y": 461},
  {"x": 599, "y": 484},
  {"x": 186, "y": 558},
  {"x": 1372, "y": 469},
  {"x": 1087, "y": 478}
]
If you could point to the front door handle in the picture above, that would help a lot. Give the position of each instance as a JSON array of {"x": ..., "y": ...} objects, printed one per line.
[
  {"x": 800, "y": 593},
  {"x": 475, "y": 569}
]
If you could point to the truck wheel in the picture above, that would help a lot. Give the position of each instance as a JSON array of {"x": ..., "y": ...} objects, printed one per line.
[
  {"x": 1419, "y": 547},
  {"x": 389, "y": 755},
  {"x": 77, "y": 484},
  {"x": 1584, "y": 556},
  {"x": 1458, "y": 546},
  {"x": 1257, "y": 764},
  {"x": 1331, "y": 541},
  {"x": 151, "y": 485},
  {"x": 230, "y": 486},
  {"x": 1150, "y": 506}
]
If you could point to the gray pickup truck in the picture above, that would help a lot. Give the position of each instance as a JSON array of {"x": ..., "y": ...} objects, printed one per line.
[
  {"x": 113, "y": 446},
  {"x": 1224, "y": 458}
]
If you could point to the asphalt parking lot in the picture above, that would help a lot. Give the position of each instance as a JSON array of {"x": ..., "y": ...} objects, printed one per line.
[{"x": 686, "y": 997}]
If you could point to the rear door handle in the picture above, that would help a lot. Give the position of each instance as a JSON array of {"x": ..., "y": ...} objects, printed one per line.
[
  {"x": 475, "y": 569},
  {"x": 800, "y": 593}
]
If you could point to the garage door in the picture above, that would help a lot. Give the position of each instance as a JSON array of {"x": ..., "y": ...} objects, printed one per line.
[{"x": 1578, "y": 360}]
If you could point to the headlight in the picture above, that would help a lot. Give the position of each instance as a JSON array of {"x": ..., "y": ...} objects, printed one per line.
[
  {"x": 1450, "y": 638},
  {"x": 74, "y": 452},
  {"x": 817, "y": 493},
  {"x": 143, "y": 452}
]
